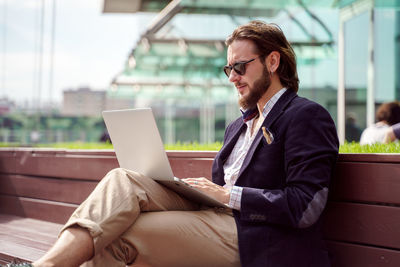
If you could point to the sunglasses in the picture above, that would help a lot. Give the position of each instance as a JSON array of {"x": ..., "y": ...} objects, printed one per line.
[{"x": 238, "y": 67}]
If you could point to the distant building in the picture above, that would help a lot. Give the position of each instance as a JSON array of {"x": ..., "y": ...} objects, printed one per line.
[
  {"x": 83, "y": 102},
  {"x": 113, "y": 102}
]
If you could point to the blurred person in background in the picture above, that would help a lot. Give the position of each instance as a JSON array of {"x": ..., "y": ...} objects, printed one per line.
[
  {"x": 353, "y": 131},
  {"x": 387, "y": 128}
]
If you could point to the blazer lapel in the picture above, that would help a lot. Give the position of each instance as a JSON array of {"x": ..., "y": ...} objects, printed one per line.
[
  {"x": 232, "y": 139},
  {"x": 233, "y": 133},
  {"x": 273, "y": 115}
]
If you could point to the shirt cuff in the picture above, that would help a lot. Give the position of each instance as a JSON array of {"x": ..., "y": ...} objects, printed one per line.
[
  {"x": 396, "y": 130},
  {"x": 235, "y": 198}
]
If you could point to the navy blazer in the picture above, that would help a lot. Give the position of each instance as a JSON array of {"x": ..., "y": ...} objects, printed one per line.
[{"x": 285, "y": 184}]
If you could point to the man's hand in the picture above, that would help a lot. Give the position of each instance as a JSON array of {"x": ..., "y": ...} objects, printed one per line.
[{"x": 206, "y": 186}]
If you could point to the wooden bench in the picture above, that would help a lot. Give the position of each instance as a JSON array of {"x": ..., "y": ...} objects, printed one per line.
[{"x": 39, "y": 189}]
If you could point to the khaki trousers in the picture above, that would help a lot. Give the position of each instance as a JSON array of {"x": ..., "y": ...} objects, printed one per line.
[{"x": 136, "y": 221}]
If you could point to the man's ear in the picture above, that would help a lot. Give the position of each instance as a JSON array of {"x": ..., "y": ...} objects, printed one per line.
[{"x": 272, "y": 61}]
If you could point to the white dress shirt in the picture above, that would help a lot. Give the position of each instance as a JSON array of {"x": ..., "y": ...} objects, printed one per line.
[{"x": 235, "y": 160}]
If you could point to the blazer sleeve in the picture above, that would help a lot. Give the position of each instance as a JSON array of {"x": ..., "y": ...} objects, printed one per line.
[{"x": 310, "y": 148}]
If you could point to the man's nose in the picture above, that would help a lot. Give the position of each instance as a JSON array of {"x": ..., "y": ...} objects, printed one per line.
[{"x": 233, "y": 76}]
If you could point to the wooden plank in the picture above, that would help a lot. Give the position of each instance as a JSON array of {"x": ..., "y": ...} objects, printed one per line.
[
  {"x": 191, "y": 154},
  {"x": 352, "y": 255},
  {"x": 370, "y": 157},
  {"x": 3, "y": 259},
  {"x": 61, "y": 190},
  {"x": 50, "y": 211},
  {"x": 46, "y": 230},
  {"x": 7, "y": 161},
  {"x": 367, "y": 224},
  {"x": 64, "y": 166},
  {"x": 366, "y": 182},
  {"x": 21, "y": 222},
  {"x": 343, "y": 157},
  {"x": 16, "y": 248},
  {"x": 74, "y": 165},
  {"x": 24, "y": 238},
  {"x": 8, "y": 238}
]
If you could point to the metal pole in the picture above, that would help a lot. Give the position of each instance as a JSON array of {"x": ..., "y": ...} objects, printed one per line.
[
  {"x": 41, "y": 54},
  {"x": 341, "y": 80},
  {"x": 371, "y": 70},
  {"x": 397, "y": 56},
  {"x": 3, "y": 68},
  {"x": 53, "y": 36},
  {"x": 347, "y": 13}
]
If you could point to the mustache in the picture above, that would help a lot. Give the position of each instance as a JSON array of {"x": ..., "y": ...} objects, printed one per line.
[{"x": 240, "y": 84}]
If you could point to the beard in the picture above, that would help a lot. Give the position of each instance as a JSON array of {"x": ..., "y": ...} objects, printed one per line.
[{"x": 259, "y": 88}]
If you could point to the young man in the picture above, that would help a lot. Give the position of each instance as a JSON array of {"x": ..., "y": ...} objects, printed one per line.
[{"x": 273, "y": 171}]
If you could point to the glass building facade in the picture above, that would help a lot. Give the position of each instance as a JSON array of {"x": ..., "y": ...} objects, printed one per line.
[{"x": 347, "y": 55}]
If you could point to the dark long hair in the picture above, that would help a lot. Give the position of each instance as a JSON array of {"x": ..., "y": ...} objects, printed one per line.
[
  {"x": 389, "y": 112},
  {"x": 268, "y": 37}
]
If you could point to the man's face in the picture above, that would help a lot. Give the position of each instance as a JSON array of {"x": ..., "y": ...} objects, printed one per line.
[{"x": 255, "y": 82}]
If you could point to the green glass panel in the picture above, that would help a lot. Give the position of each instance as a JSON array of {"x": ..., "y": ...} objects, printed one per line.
[
  {"x": 395, "y": 4},
  {"x": 236, "y": 7}
]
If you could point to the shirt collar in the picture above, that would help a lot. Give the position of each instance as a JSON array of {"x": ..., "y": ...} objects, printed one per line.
[{"x": 249, "y": 114}]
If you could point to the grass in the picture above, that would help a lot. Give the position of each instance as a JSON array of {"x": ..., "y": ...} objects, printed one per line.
[
  {"x": 194, "y": 146},
  {"x": 376, "y": 148},
  {"x": 70, "y": 145},
  {"x": 78, "y": 145},
  {"x": 345, "y": 148}
]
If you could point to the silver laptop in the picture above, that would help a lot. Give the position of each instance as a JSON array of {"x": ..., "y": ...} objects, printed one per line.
[{"x": 138, "y": 147}]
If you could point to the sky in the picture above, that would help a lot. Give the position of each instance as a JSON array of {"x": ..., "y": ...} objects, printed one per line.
[{"x": 90, "y": 47}]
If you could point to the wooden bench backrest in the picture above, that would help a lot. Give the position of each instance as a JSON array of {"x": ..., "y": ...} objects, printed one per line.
[
  {"x": 49, "y": 184},
  {"x": 361, "y": 221},
  {"x": 362, "y": 217}
]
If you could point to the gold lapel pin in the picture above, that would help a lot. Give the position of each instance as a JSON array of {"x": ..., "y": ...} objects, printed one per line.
[{"x": 267, "y": 135}]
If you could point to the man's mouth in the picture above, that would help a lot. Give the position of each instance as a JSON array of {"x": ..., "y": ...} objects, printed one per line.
[{"x": 240, "y": 87}]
